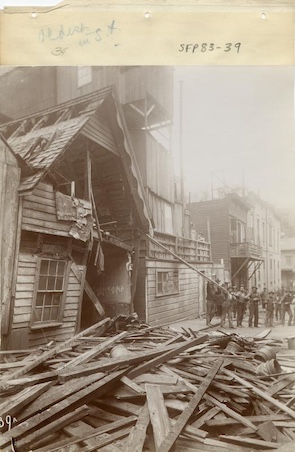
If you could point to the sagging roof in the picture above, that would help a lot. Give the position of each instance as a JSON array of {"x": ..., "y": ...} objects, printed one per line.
[{"x": 40, "y": 140}]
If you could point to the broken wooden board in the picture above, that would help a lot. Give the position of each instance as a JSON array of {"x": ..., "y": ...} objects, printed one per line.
[
  {"x": 165, "y": 357},
  {"x": 262, "y": 394},
  {"x": 137, "y": 436},
  {"x": 61, "y": 408},
  {"x": 175, "y": 431},
  {"x": 41, "y": 359},
  {"x": 158, "y": 414}
]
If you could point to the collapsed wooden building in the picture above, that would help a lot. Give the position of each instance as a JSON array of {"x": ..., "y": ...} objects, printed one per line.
[
  {"x": 77, "y": 172},
  {"x": 90, "y": 181}
]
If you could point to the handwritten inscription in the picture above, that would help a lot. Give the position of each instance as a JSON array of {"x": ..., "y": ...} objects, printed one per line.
[
  {"x": 59, "y": 51},
  {"x": 79, "y": 34},
  {"x": 210, "y": 47},
  {"x": 7, "y": 421}
]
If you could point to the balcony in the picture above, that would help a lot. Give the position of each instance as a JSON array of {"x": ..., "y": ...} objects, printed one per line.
[
  {"x": 188, "y": 249},
  {"x": 246, "y": 250}
]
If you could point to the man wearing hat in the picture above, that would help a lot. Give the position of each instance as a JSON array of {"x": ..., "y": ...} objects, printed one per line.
[
  {"x": 269, "y": 309},
  {"x": 254, "y": 299},
  {"x": 263, "y": 297},
  {"x": 241, "y": 305},
  {"x": 286, "y": 302}
]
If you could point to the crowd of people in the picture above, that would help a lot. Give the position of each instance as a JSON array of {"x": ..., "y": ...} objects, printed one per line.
[{"x": 233, "y": 303}]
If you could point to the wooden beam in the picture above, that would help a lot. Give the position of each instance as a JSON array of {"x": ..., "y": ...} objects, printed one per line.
[
  {"x": 165, "y": 356},
  {"x": 58, "y": 393},
  {"x": 230, "y": 412},
  {"x": 95, "y": 351},
  {"x": 254, "y": 419},
  {"x": 75, "y": 269},
  {"x": 205, "y": 417},
  {"x": 95, "y": 432},
  {"x": 263, "y": 394},
  {"x": 112, "y": 363},
  {"x": 158, "y": 414},
  {"x": 249, "y": 442},
  {"x": 20, "y": 400},
  {"x": 136, "y": 439},
  {"x": 52, "y": 427},
  {"x": 72, "y": 402},
  {"x": 41, "y": 359},
  {"x": 177, "y": 428}
]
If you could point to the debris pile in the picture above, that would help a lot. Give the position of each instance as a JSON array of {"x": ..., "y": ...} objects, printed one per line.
[{"x": 120, "y": 386}]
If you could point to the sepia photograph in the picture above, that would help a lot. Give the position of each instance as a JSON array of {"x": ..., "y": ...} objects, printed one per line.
[{"x": 147, "y": 258}]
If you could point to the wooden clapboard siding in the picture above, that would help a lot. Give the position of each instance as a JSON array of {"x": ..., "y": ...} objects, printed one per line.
[
  {"x": 174, "y": 307},
  {"x": 217, "y": 213},
  {"x": 24, "y": 292},
  {"x": 39, "y": 212}
]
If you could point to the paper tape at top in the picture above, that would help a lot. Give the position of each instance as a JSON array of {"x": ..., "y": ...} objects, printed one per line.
[{"x": 85, "y": 37}]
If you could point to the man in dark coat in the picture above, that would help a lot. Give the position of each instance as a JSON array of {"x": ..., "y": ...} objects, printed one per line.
[
  {"x": 241, "y": 305},
  {"x": 286, "y": 307},
  {"x": 210, "y": 302},
  {"x": 254, "y": 300},
  {"x": 269, "y": 309}
]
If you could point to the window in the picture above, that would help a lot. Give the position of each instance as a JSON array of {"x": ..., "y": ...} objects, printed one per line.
[
  {"x": 263, "y": 232},
  {"x": 251, "y": 227},
  {"x": 50, "y": 286},
  {"x": 270, "y": 235},
  {"x": 239, "y": 232},
  {"x": 258, "y": 231},
  {"x": 243, "y": 233},
  {"x": 84, "y": 75},
  {"x": 167, "y": 282},
  {"x": 233, "y": 230},
  {"x": 168, "y": 222}
]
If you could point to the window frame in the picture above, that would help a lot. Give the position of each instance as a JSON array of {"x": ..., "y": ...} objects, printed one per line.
[
  {"x": 59, "y": 321},
  {"x": 175, "y": 291}
]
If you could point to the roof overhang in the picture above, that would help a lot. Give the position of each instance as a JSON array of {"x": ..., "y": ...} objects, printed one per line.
[{"x": 39, "y": 146}]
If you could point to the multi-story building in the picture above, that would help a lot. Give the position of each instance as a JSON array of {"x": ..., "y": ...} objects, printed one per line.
[
  {"x": 123, "y": 120},
  {"x": 287, "y": 216},
  {"x": 288, "y": 262},
  {"x": 223, "y": 222},
  {"x": 264, "y": 230},
  {"x": 245, "y": 234}
]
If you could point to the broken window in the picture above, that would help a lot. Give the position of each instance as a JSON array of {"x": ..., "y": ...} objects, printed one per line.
[
  {"x": 167, "y": 282},
  {"x": 50, "y": 285}
]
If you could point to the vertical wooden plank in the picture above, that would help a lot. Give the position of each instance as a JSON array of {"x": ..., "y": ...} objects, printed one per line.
[
  {"x": 175, "y": 431},
  {"x": 79, "y": 311},
  {"x": 136, "y": 439},
  {"x": 158, "y": 414},
  {"x": 9, "y": 200},
  {"x": 135, "y": 268}
]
